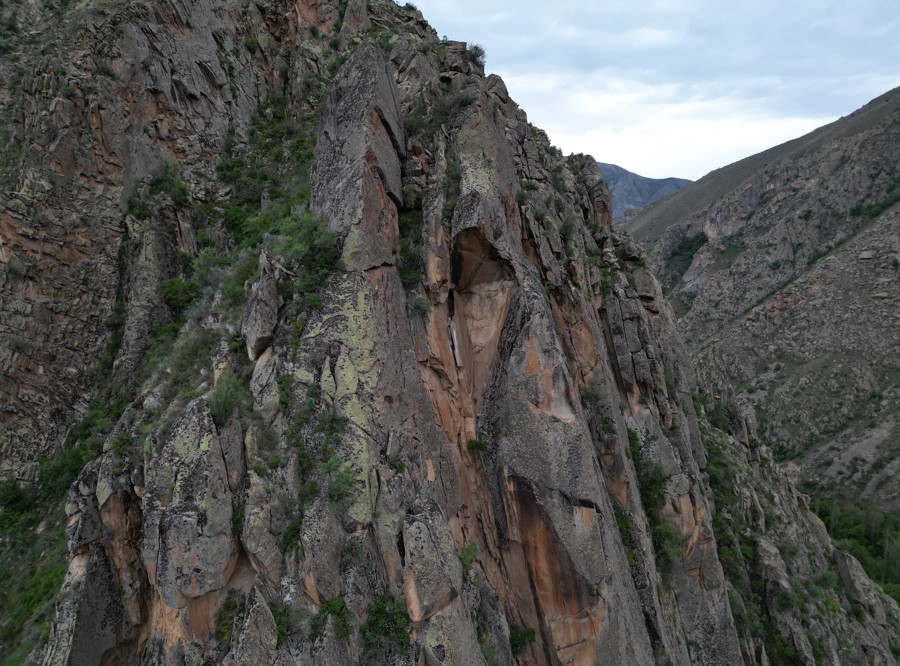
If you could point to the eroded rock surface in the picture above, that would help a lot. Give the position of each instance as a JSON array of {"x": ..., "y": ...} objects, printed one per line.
[{"x": 471, "y": 441}]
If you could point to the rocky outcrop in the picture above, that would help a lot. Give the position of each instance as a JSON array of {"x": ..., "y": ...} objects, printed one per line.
[{"x": 465, "y": 438}]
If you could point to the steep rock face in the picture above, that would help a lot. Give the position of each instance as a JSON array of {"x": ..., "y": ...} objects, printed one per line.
[
  {"x": 95, "y": 118},
  {"x": 470, "y": 440}
]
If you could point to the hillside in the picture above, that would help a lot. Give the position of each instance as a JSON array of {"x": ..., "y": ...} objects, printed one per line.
[
  {"x": 628, "y": 190},
  {"x": 314, "y": 350},
  {"x": 785, "y": 271}
]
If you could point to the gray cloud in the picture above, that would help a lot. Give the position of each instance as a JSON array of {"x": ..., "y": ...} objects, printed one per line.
[{"x": 728, "y": 79}]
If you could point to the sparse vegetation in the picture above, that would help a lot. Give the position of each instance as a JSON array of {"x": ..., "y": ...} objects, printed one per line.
[
  {"x": 867, "y": 532},
  {"x": 871, "y": 211},
  {"x": 475, "y": 53},
  {"x": 652, "y": 480},
  {"x": 336, "y": 608},
  {"x": 519, "y": 639},
  {"x": 286, "y": 620},
  {"x": 467, "y": 556},
  {"x": 384, "y": 633},
  {"x": 410, "y": 265},
  {"x": 226, "y": 614},
  {"x": 178, "y": 294},
  {"x": 228, "y": 395},
  {"x": 681, "y": 257},
  {"x": 341, "y": 479},
  {"x": 169, "y": 183},
  {"x": 478, "y": 445}
]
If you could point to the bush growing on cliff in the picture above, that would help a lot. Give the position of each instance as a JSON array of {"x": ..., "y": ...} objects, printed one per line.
[
  {"x": 229, "y": 609},
  {"x": 178, "y": 294},
  {"x": 341, "y": 479},
  {"x": 336, "y": 608},
  {"x": 652, "y": 479},
  {"x": 891, "y": 196},
  {"x": 228, "y": 395},
  {"x": 384, "y": 634},
  {"x": 681, "y": 257},
  {"x": 287, "y": 621},
  {"x": 311, "y": 249},
  {"x": 519, "y": 638},
  {"x": 411, "y": 265},
  {"x": 475, "y": 54},
  {"x": 467, "y": 556},
  {"x": 169, "y": 182},
  {"x": 478, "y": 445}
]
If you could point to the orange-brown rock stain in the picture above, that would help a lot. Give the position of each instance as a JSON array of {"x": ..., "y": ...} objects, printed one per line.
[{"x": 531, "y": 572}]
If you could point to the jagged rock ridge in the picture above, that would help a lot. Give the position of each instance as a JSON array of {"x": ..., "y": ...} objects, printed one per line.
[
  {"x": 387, "y": 388},
  {"x": 629, "y": 191}
]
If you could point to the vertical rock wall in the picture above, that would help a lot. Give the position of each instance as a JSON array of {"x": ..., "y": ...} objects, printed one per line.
[{"x": 463, "y": 427}]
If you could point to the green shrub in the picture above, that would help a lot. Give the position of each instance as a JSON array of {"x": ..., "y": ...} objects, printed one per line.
[
  {"x": 421, "y": 305},
  {"x": 229, "y": 609},
  {"x": 18, "y": 507},
  {"x": 137, "y": 208},
  {"x": 341, "y": 480},
  {"x": 475, "y": 54},
  {"x": 122, "y": 444},
  {"x": 652, "y": 479},
  {"x": 385, "y": 632},
  {"x": 290, "y": 540},
  {"x": 207, "y": 267},
  {"x": 788, "y": 599},
  {"x": 410, "y": 261},
  {"x": 892, "y": 196},
  {"x": 626, "y": 531},
  {"x": 246, "y": 269},
  {"x": 334, "y": 607},
  {"x": 681, "y": 257},
  {"x": 667, "y": 546},
  {"x": 607, "y": 426},
  {"x": 286, "y": 620},
  {"x": 170, "y": 183},
  {"x": 410, "y": 278},
  {"x": 314, "y": 251},
  {"x": 228, "y": 395},
  {"x": 467, "y": 556},
  {"x": 237, "y": 522},
  {"x": 478, "y": 445},
  {"x": 178, "y": 294},
  {"x": 519, "y": 638},
  {"x": 396, "y": 463}
]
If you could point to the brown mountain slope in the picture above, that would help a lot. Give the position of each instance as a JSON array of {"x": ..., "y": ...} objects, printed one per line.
[
  {"x": 785, "y": 269},
  {"x": 629, "y": 191},
  {"x": 649, "y": 224}
]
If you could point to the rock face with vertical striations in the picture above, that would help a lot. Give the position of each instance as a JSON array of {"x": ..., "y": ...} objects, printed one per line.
[{"x": 384, "y": 386}]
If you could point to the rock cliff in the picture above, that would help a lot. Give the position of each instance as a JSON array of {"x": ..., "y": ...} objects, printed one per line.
[{"x": 346, "y": 365}]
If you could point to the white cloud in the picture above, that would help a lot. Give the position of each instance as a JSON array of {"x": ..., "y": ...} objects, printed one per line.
[
  {"x": 655, "y": 130},
  {"x": 680, "y": 87}
]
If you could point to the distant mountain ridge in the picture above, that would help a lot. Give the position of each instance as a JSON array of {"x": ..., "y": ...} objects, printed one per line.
[
  {"x": 784, "y": 270},
  {"x": 629, "y": 190}
]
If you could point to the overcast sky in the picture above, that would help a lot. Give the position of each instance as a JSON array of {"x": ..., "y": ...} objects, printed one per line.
[{"x": 681, "y": 87}]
